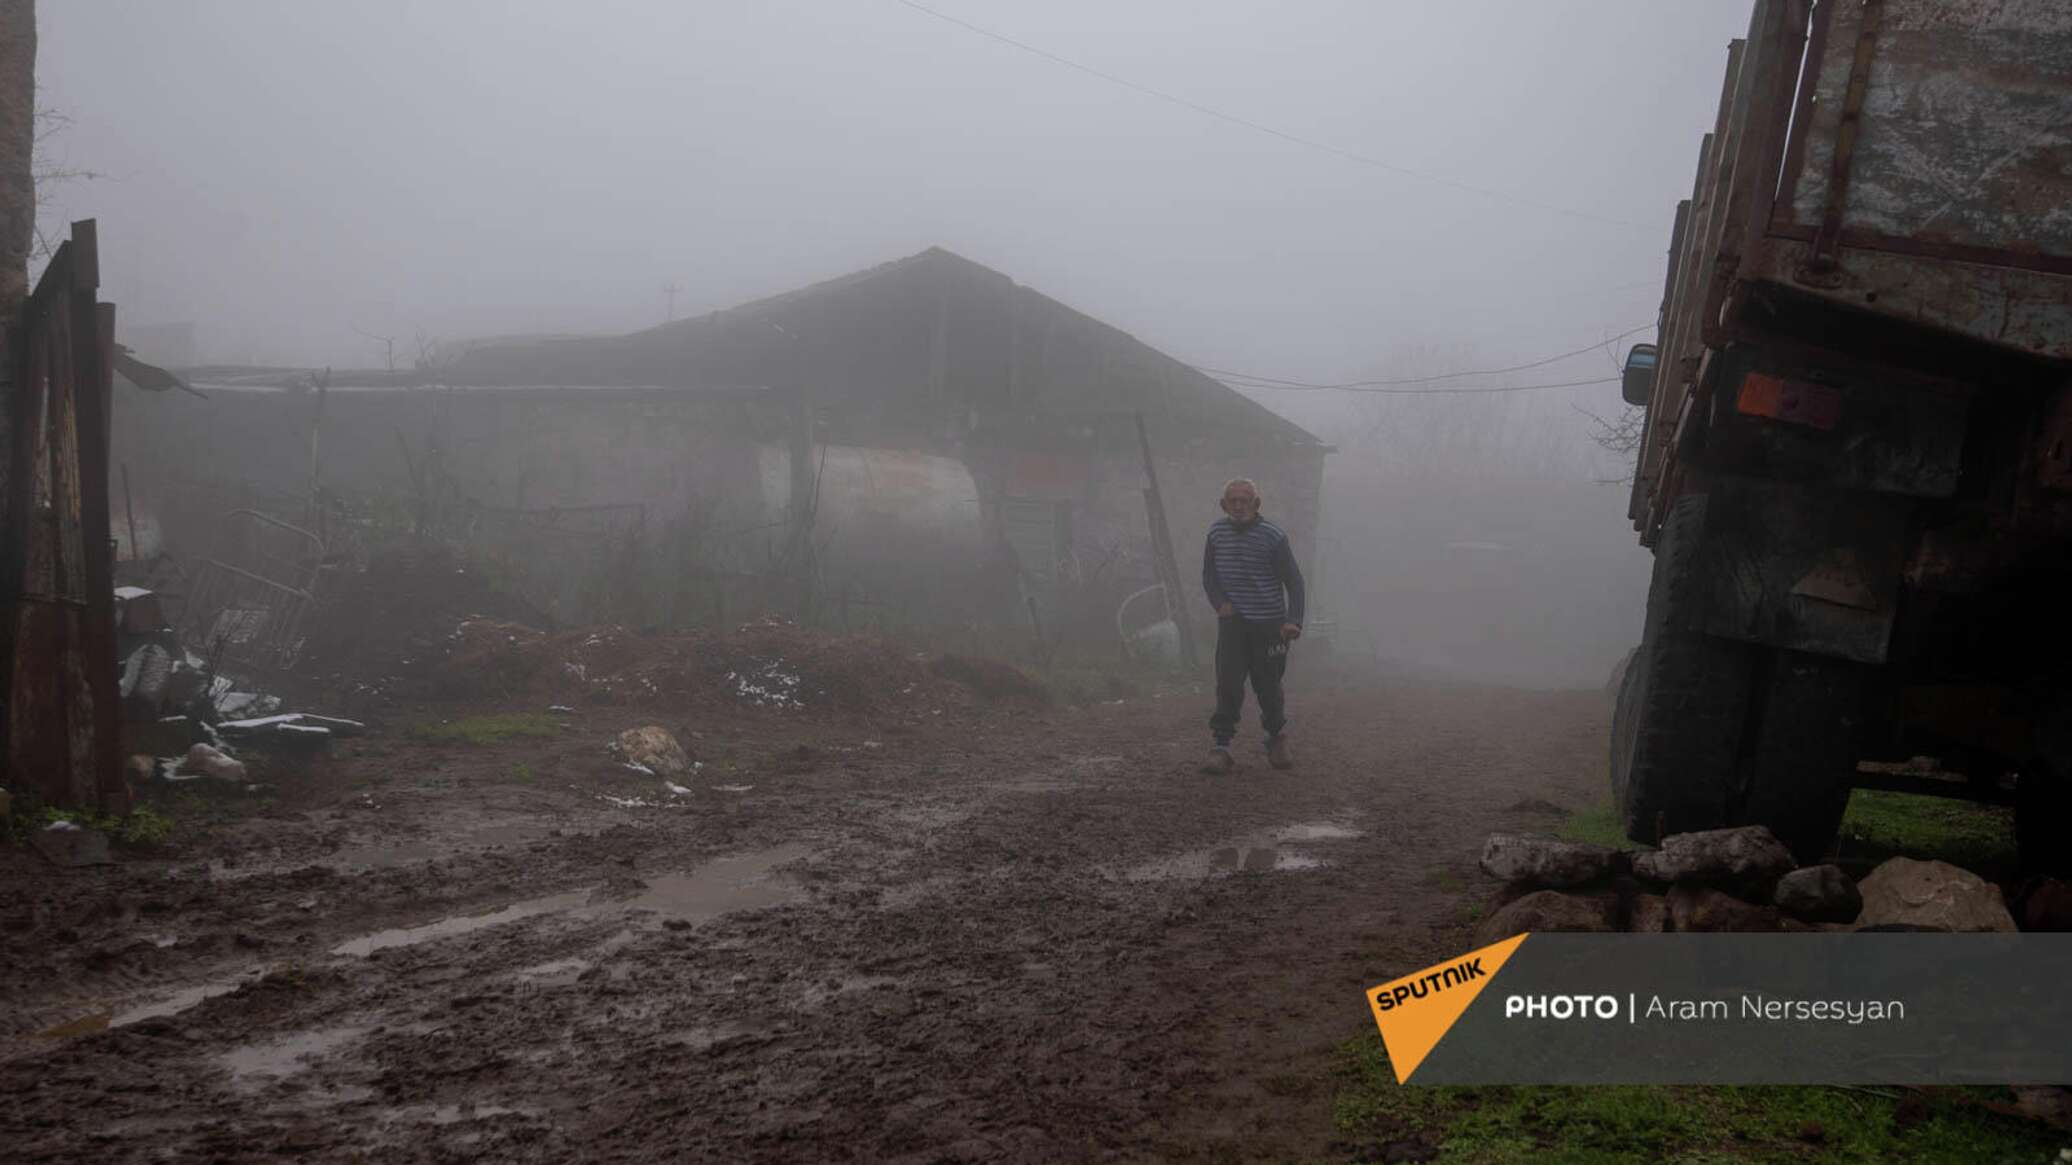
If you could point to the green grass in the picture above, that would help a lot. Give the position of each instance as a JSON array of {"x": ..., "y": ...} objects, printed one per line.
[
  {"x": 523, "y": 774},
  {"x": 491, "y": 729},
  {"x": 1444, "y": 880},
  {"x": 1640, "y": 1125},
  {"x": 1598, "y": 825},
  {"x": 142, "y": 828},
  {"x": 1880, "y": 825}
]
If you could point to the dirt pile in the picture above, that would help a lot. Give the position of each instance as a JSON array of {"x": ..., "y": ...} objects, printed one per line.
[
  {"x": 402, "y": 607},
  {"x": 421, "y": 631}
]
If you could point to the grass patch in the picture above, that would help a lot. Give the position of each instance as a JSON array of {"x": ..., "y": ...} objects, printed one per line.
[
  {"x": 1880, "y": 825},
  {"x": 523, "y": 774},
  {"x": 1639, "y": 1125},
  {"x": 1444, "y": 880},
  {"x": 1597, "y": 825},
  {"x": 491, "y": 729},
  {"x": 141, "y": 828}
]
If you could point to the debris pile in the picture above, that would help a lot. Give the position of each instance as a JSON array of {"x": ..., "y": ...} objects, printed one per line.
[
  {"x": 183, "y": 719},
  {"x": 430, "y": 653},
  {"x": 1740, "y": 879}
]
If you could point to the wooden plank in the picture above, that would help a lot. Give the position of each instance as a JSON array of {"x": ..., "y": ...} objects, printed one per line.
[
  {"x": 60, "y": 738},
  {"x": 93, "y": 326}
]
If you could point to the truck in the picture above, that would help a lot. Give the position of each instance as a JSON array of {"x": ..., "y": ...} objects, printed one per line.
[{"x": 1855, "y": 465}]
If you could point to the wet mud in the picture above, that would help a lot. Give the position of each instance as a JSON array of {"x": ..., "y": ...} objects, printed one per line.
[{"x": 1001, "y": 934}]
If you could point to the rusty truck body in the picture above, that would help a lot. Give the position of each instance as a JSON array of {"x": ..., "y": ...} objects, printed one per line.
[{"x": 1855, "y": 470}]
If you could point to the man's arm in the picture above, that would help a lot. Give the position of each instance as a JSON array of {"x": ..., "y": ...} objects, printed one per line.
[
  {"x": 1209, "y": 583},
  {"x": 1290, "y": 575}
]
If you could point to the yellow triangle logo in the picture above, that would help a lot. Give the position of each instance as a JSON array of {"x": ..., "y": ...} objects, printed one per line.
[{"x": 1415, "y": 1011}]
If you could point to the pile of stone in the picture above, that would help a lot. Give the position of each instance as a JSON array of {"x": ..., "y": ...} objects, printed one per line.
[{"x": 1740, "y": 879}]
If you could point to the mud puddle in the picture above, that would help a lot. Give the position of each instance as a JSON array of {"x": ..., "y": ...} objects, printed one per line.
[
  {"x": 256, "y": 1065},
  {"x": 720, "y": 886},
  {"x": 1275, "y": 850},
  {"x": 456, "y": 925},
  {"x": 180, "y": 1001},
  {"x": 745, "y": 881}
]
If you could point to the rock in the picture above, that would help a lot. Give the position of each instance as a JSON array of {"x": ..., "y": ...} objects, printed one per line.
[
  {"x": 70, "y": 845},
  {"x": 206, "y": 760},
  {"x": 1746, "y": 860},
  {"x": 2049, "y": 1103},
  {"x": 1650, "y": 914},
  {"x": 1931, "y": 895},
  {"x": 1545, "y": 910},
  {"x": 653, "y": 749},
  {"x": 1702, "y": 908},
  {"x": 1819, "y": 894},
  {"x": 1544, "y": 861},
  {"x": 2045, "y": 904}
]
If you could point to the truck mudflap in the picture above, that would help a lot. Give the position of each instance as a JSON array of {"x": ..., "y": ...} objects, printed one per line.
[{"x": 1802, "y": 567}]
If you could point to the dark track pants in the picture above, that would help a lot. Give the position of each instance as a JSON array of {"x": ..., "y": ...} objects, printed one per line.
[{"x": 1254, "y": 651}]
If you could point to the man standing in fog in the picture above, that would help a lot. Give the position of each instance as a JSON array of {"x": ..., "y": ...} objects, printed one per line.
[{"x": 1248, "y": 569}]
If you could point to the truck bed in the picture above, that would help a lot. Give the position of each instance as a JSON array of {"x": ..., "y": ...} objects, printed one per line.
[{"x": 1903, "y": 160}]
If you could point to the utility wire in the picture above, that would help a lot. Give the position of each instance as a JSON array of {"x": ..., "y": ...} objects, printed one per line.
[
  {"x": 1418, "y": 391},
  {"x": 1373, "y": 385},
  {"x": 1256, "y": 127}
]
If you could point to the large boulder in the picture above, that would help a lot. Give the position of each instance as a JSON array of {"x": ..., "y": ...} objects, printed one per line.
[
  {"x": 1746, "y": 860},
  {"x": 1650, "y": 914},
  {"x": 1545, "y": 910},
  {"x": 1917, "y": 895},
  {"x": 2045, "y": 904},
  {"x": 1702, "y": 908},
  {"x": 1819, "y": 894},
  {"x": 1544, "y": 861},
  {"x": 653, "y": 749}
]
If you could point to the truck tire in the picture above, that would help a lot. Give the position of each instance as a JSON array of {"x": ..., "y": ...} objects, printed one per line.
[
  {"x": 2042, "y": 815},
  {"x": 1676, "y": 731},
  {"x": 1798, "y": 756}
]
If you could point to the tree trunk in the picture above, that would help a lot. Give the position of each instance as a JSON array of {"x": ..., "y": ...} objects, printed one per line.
[{"x": 17, "y": 146}]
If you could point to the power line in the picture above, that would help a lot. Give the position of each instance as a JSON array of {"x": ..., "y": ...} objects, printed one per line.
[
  {"x": 1256, "y": 127},
  {"x": 1453, "y": 389},
  {"x": 1371, "y": 385}
]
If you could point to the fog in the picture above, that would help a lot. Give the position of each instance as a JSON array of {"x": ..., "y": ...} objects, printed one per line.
[{"x": 295, "y": 179}]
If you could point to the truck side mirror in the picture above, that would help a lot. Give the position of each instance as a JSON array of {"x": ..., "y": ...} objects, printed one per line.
[{"x": 1637, "y": 382}]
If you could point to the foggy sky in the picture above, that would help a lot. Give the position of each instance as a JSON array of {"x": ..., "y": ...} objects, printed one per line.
[
  {"x": 282, "y": 173},
  {"x": 286, "y": 175}
]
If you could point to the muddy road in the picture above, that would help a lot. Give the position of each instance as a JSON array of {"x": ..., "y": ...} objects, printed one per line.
[{"x": 990, "y": 933}]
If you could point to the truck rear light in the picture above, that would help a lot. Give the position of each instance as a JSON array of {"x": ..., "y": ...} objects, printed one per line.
[{"x": 1796, "y": 402}]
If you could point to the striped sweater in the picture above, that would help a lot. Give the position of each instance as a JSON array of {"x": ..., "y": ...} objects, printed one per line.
[{"x": 1248, "y": 567}]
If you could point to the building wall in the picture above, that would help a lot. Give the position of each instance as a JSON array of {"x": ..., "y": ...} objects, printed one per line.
[{"x": 951, "y": 410}]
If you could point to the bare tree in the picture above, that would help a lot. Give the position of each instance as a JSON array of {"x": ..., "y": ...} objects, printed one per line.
[
  {"x": 50, "y": 175},
  {"x": 388, "y": 344},
  {"x": 17, "y": 148},
  {"x": 1618, "y": 435}
]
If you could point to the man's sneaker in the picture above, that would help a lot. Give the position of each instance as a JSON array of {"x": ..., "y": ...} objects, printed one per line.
[
  {"x": 1277, "y": 753},
  {"x": 1220, "y": 762}
]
